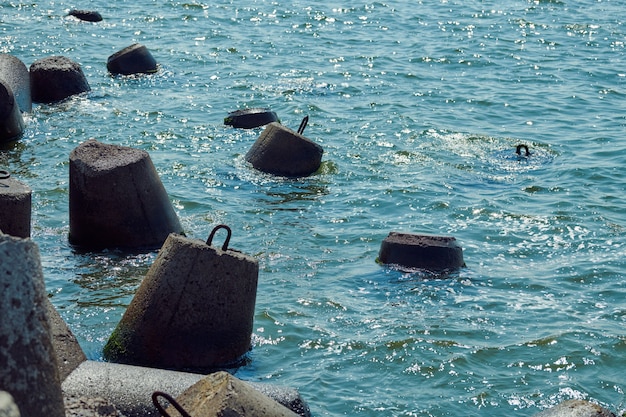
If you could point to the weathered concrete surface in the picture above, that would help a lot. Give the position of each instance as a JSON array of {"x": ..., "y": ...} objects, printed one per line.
[
  {"x": 222, "y": 395},
  {"x": 89, "y": 407},
  {"x": 434, "y": 253},
  {"x": 11, "y": 122},
  {"x": 281, "y": 151},
  {"x": 68, "y": 352},
  {"x": 15, "y": 207},
  {"x": 56, "y": 78},
  {"x": 28, "y": 368},
  {"x": 117, "y": 199},
  {"x": 86, "y": 15},
  {"x": 129, "y": 388},
  {"x": 250, "y": 118},
  {"x": 15, "y": 73},
  {"x": 7, "y": 405},
  {"x": 576, "y": 408},
  {"x": 194, "y": 309},
  {"x": 134, "y": 59}
]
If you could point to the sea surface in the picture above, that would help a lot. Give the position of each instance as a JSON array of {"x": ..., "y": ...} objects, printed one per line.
[{"x": 419, "y": 106}]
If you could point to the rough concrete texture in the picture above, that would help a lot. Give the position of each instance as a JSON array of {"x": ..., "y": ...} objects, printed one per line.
[
  {"x": 129, "y": 388},
  {"x": 15, "y": 207},
  {"x": 428, "y": 252},
  {"x": 15, "y": 73},
  {"x": 89, "y": 407},
  {"x": 117, "y": 199},
  {"x": 66, "y": 348},
  {"x": 11, "y": 121},
  {"x": 28, "y": 368},
  {"x": 194, "y": 309},
  {"x": 7, "y": 405},
  {"x": 56, "y": 78},
  {"x": 576, "y": 408},
  {"x": 281, "y": 151},
  {"x": 222, "y": 395},
  {"x": 134, "y": 59}
]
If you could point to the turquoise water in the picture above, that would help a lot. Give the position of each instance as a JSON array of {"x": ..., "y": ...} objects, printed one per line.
[{"x": 419, "y": 107}]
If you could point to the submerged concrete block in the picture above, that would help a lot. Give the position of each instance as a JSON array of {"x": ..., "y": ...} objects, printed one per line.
[
  {"x": 281, "y": 151},
  {"x": 414, "y": 251},
  {"x": 28, "y": 366},
  {"x": 15, "y": 74},
  {"x": 576, "y": 408},
  {"x": 194, "y": 309},
  {"x": 117, "y": 199},
  {"x": 56, "y": 78},
  {"x": 15, "y": 206}
]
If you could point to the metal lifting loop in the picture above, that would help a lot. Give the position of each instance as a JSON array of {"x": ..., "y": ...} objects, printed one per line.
[
  {"x": 4, "y": 174},
  {"x": 172, "y": 401},
  {"x": 303, "y": 124},
  {"x": 518, "y": 150},
  {"x": 221, "y": 226}
]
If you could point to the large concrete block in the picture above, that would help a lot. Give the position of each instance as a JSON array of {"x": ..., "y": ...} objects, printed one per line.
[
  {"x": 194, "y": 309},
  {"x": 117, "y": 199},
  {"x": 28, "y": 366},
  {"x": 15, "y": 73},
  {"x": 11, "y": 122},
  {"x": 56, "y": 78},
  {"x": 421, "y": 251}
]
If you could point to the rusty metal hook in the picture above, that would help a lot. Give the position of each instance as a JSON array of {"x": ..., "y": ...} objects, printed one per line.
[
  {"x": 303, "y": 124},
  {"x": 4, "y": 174},
  {"x": 172, "y": 401},
  {"x": 221, "y": 226},
  {"x": 518, "y": 150}
]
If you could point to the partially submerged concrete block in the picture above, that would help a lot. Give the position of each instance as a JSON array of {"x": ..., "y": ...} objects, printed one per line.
[
  {"x": 15, "y": 74},
  {"x": 28, "y": 366},
  {"x": 421, "y": 251},
  {"x": 134, "y": 59},
  {"x": 576, "y": 408},
  {"x": 11, "y": 122},
  {"x": 15, "y": 206},
  {"x": 56, "y": 78},
  {"x": 194, "y": 309},
  {"x": 117, "y": 199},
  {"x": 281, "y": 151}
]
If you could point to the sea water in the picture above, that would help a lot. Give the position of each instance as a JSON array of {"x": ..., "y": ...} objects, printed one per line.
[{"x": 419, "y": 106}]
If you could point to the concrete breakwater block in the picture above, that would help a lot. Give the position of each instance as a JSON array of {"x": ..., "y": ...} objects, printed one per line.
[
  {"x": 221, "y": 394},
  {"x": 28, "y": 366},
  {"x": 85, "y": 15},
  {"x": 117, "y": 199},
  {"x": 56, "y": 78},
  {"x": 576, "y": 408},
  {"x": 194, "y": 309},
  {"x": 15, "y": 206},
  {"x": 15, "y": 74},
  {"x": 129, "y": 388},
  {"x": 250, "y": 118},
  {"x": 134, "y": 59},
  {"x": 415, "y": 251},
  {"x": 281, "y": 151},
  {"x": 11, "y": 122}
]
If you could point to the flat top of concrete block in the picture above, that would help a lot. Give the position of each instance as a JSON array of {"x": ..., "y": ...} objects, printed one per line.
[
  {"x": 55, "y": 63},
  {"x": 12, "y": 187},
  {"x": 420, "y": 239},
  {"x": 102, "y": 157}
]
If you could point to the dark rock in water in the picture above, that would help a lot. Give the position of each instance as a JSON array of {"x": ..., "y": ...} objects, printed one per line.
[
  {"x": 134, "y": 59},
  {"x": 250, "y": 118},
  {"x": 86, "y": 15},
  {"x": 576, "y": 408},
  {"x": 56, "y": 78}
]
